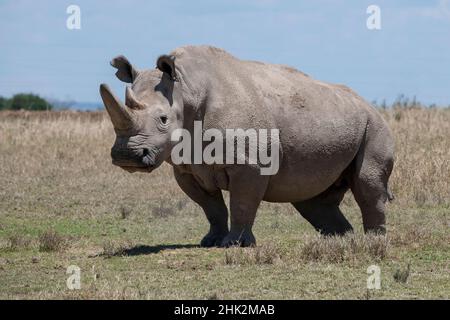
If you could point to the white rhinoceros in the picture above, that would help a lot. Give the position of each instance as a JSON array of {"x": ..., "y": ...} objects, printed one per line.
[{"x": 330, "y": 139}]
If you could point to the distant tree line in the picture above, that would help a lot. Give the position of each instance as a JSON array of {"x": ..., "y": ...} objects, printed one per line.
[{"x": 25, "y": 101}]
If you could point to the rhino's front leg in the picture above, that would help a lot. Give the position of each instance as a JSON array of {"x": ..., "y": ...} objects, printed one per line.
[
  {"x": 247, "y": 188},
  {"x": 212, "y": 204}
]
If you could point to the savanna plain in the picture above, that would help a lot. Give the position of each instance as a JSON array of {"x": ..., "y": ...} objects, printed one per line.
[{"x": 136, "y": 236}]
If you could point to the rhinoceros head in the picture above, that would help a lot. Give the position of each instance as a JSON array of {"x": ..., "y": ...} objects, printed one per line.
[{"x": 152, "y": 110}]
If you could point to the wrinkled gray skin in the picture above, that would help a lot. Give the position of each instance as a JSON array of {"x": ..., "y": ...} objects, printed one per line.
[{"x": 331, "y": 139}]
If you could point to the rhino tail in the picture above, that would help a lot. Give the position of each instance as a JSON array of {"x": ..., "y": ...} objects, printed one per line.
[{"x": 390, "y": 195}]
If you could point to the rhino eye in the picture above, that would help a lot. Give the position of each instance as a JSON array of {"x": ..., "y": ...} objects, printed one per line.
[{"x": 163, "y": 119}]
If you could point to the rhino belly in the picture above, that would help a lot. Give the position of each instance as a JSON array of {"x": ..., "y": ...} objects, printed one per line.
[
  {"x": 314, "y": 155},
  {"x": 303, "y": 180}
]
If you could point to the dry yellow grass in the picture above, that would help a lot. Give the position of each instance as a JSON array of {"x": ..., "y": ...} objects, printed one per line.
[
  {"x": 422, "y": 167},
  {"x": 77, "y": 142},
  {"x": 135, "y": 236}
]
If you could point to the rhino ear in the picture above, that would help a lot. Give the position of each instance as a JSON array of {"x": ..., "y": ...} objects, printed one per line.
[
  {"x": 125, "y": 70},
  {"x": 166, "y": 64}
]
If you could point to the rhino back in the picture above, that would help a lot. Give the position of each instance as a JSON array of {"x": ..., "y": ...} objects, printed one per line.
[{"x": 321, "y": 125}]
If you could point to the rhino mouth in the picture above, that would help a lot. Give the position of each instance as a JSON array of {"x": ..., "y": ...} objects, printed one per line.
[
  {"x": 133, "y": 167},
  {"x": 133, "y": 160},
  {"x": 144, "y": 164}
]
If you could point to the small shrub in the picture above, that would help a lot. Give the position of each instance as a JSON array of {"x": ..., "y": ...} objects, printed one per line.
[
  {"x": 329, "y": 249},
  {"x": 376, "y": 246},
  {"x": 16, "y": 242},
  {"x": 162, "y": 211},
  {"x": 411, "y": 235},
  {"x": 112, "y": 249},
  {"x": 109, "y": 249},
  {"x": 51, "y": 241},
  {"x": 337, "y": 249},
  {"x": 264, "y": 254},
  {"x": 402, "y": 275},
  {"x": 125, "y": 212}
]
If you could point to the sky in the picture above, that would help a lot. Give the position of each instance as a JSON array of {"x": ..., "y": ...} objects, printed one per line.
[{"x": 328, "y": 40}]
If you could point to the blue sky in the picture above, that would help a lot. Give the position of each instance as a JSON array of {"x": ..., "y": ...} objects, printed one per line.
[{"x": 326, "y": 39}]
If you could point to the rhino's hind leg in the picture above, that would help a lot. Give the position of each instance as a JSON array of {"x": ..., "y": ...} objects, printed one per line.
[
  {"x": 369, "y": 182},
  {"x": 371, "y": 192},
  {"x": 323, "y": 211}
]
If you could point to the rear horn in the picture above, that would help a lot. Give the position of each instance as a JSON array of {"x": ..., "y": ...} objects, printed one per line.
[{"x": 131, "y": 101}]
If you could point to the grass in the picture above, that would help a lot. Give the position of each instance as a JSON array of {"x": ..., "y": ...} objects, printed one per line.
[
  {"x": 51, "y": 241},
  {"x": 263, "y": 254},
  {"x": 351, "y": 247},
  {"x": 17, "y": 242},
  {"x": 136, "y": 236}
]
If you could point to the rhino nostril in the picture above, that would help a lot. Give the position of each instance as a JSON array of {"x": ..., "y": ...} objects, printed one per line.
[{"x": 145, "y": 152}]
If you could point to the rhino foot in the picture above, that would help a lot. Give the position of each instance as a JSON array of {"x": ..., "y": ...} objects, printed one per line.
[
  {"x": 241, "y": 239},
  {"x": 213, "y": 239}
]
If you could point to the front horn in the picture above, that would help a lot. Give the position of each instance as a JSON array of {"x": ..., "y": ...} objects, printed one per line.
[{"x": 120, "y": 116}]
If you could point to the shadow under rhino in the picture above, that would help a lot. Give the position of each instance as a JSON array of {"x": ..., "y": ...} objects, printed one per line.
[{"x": 145, "y": 250}]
